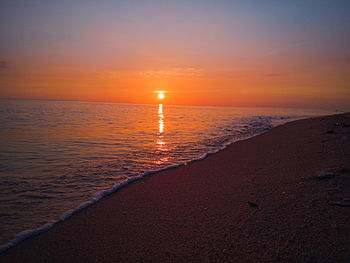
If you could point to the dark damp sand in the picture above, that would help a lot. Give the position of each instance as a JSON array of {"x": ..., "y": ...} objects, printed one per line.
[{"x": 200, "y": 212}]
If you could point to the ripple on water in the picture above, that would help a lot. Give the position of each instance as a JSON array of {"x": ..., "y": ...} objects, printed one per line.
[{"x": 57, "y": 155}]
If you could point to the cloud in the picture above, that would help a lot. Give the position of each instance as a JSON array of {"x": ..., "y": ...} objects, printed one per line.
[
  {"x": 3, "y": 64},
  {"x": 173, "y": 72},
  {"x": 287, "y": 48},
  {"x": 272, "y": 75}
]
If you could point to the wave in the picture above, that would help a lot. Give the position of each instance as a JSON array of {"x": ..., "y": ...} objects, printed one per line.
[{"x": 257, "y": 126}]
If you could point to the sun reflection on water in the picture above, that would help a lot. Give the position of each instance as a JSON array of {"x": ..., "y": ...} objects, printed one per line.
[
  {"x": 160, "y": 144},
  {"x": 161, "y": 118}
]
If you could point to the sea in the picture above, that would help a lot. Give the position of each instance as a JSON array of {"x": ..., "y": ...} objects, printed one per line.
[{"x": 57, "y": 157}]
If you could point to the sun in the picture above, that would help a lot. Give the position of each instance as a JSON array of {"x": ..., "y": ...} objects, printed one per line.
[{"x": 160, "y": 96}]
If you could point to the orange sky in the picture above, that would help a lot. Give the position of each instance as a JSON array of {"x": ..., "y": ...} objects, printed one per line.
[{"x": 287, "y": 55}]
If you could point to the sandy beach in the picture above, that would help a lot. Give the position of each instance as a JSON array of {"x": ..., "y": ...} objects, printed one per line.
[{"x": 282, "y": 196}]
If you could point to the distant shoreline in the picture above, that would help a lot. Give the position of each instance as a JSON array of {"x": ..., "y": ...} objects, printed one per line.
[{"x": 258, "y": 200}]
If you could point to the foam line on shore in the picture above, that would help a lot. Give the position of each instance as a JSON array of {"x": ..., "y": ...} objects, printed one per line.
[
  {"x": 97, "y": 196},
  {"x": 26, "y": 234}
]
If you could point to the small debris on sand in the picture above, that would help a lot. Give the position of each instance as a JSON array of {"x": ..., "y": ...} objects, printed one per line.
[
  {"x": 326, "y": 175},
  {"x": 340, "y": 203},
  {"x": 253, "y": 205},
  {"x": 343, "y": 124}
]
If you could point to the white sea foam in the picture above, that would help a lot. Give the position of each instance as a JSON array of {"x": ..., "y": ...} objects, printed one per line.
[
  {"x": 96, "y": 197},
  {"x": 66, "y": 215},
  {"x": 26, "y": 234},
  {"x": 257, "y": 129}
]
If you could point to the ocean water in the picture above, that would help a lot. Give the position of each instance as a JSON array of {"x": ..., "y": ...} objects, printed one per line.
[{"x": 57, "y": 155}]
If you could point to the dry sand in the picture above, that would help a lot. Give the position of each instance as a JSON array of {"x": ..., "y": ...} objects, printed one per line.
[{"x": 200, "y": 212}]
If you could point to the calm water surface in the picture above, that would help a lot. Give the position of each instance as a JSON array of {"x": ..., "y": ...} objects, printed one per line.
[{"x": 54, "y": 155}]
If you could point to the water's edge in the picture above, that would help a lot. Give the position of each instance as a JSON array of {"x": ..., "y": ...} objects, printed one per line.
[{"x": 97, "y": 196}]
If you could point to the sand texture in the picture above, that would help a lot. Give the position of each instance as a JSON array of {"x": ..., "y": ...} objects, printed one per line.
[{"x": 283, "y": 196}]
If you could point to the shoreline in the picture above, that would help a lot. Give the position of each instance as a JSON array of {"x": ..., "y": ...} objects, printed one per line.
[
  {"x": 29, "y": 233},
  {"x": 204, "y": 220}
]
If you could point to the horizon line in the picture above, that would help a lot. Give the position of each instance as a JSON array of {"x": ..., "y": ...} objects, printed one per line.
[{"x": 190, "y": 105}]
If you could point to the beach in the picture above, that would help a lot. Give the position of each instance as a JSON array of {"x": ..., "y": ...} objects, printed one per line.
[{"x": 282, "y": 196}]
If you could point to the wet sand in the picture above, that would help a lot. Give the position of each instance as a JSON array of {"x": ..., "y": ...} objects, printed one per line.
[{"x": 259, "y": 200}]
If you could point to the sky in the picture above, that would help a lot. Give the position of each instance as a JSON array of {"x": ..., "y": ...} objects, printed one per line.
[{"x": 226, "y": 53}]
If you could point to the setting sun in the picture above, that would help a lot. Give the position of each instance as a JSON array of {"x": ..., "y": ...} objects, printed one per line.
[{"x": 95, "y": 95}]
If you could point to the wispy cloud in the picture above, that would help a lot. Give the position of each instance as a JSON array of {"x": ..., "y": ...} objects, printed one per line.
[
  {"x": 286, "y": 48},
  {"x": 173, "y": 72},
  {"x": 3, "y": 64},
  {"x": 272, "y": 75}
]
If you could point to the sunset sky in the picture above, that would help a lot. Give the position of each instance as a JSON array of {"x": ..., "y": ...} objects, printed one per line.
[{"x": 237, "y": 53}]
